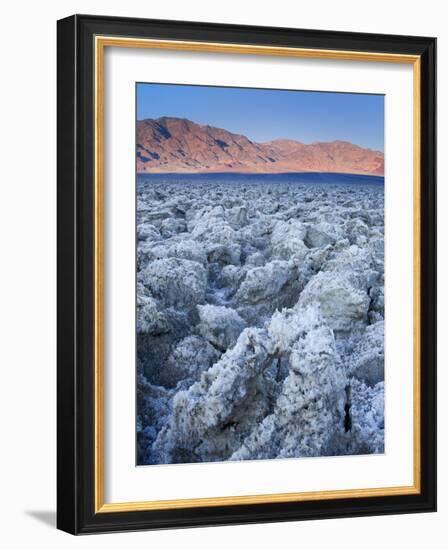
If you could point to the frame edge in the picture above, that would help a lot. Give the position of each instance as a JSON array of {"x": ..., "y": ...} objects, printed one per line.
[{"x": 67, "y": 463}]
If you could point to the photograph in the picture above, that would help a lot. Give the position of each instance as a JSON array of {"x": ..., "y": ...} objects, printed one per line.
[{"x": 259, "y": 274}]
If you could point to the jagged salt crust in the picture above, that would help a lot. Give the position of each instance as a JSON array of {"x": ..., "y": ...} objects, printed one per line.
[{"x": 260, "y": 320}]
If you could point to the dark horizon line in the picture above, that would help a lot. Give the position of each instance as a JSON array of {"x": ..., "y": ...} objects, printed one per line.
[{"x": 229, "y": 173}]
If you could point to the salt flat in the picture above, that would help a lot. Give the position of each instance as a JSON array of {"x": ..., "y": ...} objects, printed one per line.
[{"x": 260, "y": 317}]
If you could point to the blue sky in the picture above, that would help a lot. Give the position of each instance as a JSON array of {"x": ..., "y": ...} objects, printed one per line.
[{"x": 263, "y": 115}]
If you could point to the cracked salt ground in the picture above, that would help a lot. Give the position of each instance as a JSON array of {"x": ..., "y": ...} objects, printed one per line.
[{"x": 260, "y": 310}]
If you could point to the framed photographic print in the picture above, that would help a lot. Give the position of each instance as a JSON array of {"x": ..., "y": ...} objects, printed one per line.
[{"x": 246, "y": 274}]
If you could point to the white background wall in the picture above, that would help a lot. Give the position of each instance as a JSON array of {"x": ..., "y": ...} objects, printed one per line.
[{"x": 27, "y": 272}]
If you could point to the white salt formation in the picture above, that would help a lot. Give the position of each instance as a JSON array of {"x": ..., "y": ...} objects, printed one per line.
[{"x": 260, "y": 319}]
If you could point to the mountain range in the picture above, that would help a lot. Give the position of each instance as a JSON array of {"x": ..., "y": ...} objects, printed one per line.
[{"x": 169, "y": 144}]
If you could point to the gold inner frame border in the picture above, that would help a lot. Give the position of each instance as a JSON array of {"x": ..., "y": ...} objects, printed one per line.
[{"x": 100, "y": 43}]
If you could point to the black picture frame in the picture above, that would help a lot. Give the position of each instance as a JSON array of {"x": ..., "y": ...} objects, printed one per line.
[{"x": 76, "y": 263}]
